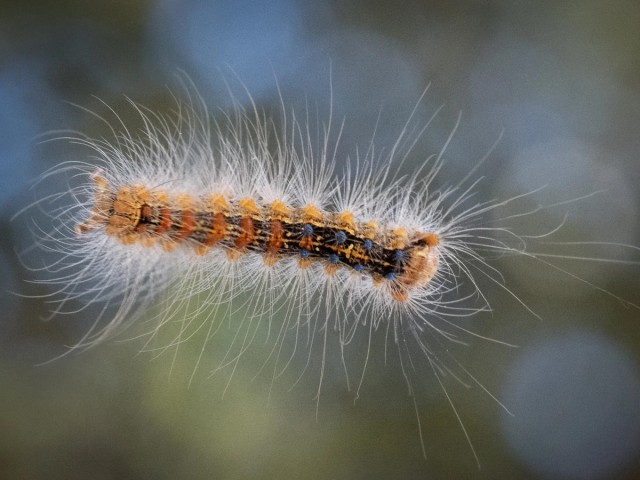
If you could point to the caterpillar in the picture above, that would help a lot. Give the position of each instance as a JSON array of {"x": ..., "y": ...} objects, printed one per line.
[
  {"x": 401, "y": 260},
  {"x": 247, "y": 222}
]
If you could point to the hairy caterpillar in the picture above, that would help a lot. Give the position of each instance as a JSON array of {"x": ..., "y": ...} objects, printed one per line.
[
  {"x": 258, "y": 227},
  {"x": 394, "y": 260}
]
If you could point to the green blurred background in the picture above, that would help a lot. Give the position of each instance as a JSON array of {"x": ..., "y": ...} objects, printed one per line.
[{"x": 561, "y": 79}]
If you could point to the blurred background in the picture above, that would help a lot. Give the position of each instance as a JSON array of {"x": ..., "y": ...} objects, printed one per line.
[{"x": 560, "y": 80}]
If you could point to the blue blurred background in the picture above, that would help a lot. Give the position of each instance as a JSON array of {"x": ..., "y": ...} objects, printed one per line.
[{"x": 561, "y": 79}]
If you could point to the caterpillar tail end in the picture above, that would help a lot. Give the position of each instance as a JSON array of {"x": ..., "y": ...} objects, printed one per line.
[{"x": 421, "y": 268}]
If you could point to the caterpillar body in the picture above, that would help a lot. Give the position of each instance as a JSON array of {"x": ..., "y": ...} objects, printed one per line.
[{"x": 397, "y": 259}]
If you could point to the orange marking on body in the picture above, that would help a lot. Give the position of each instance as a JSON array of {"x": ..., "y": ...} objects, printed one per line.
[
  {"x": 432, "y": 239},
  {"x": 306, "y": 243},
  {"x": 247, "y": 233},
  {"x": 304, "y": 263},
  {"x": 218, "y": 231},
  {"x": 330, "y": 269},
  {"x": 165, "y": 220},
  {"x": 218, "y": 205},
  {"x": 346, "y": 222},
  {"x": 276, "y": 232},
  {"x": 201, "y": 249},
  {"x": 219, "y": 202},
  {"x": 233, "y": 254},
  {"x": 246, "y": 226},
  {"x": 187, "y": 217},
  {"x": 187, "y": 224},
  {"x": 311, "y": 213},
  {"x": 169, "y": 246},
  {"x": 270, "y": 260},
  {"x": 279, "y": 210},
  {"x": 248, "y": 205}
]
